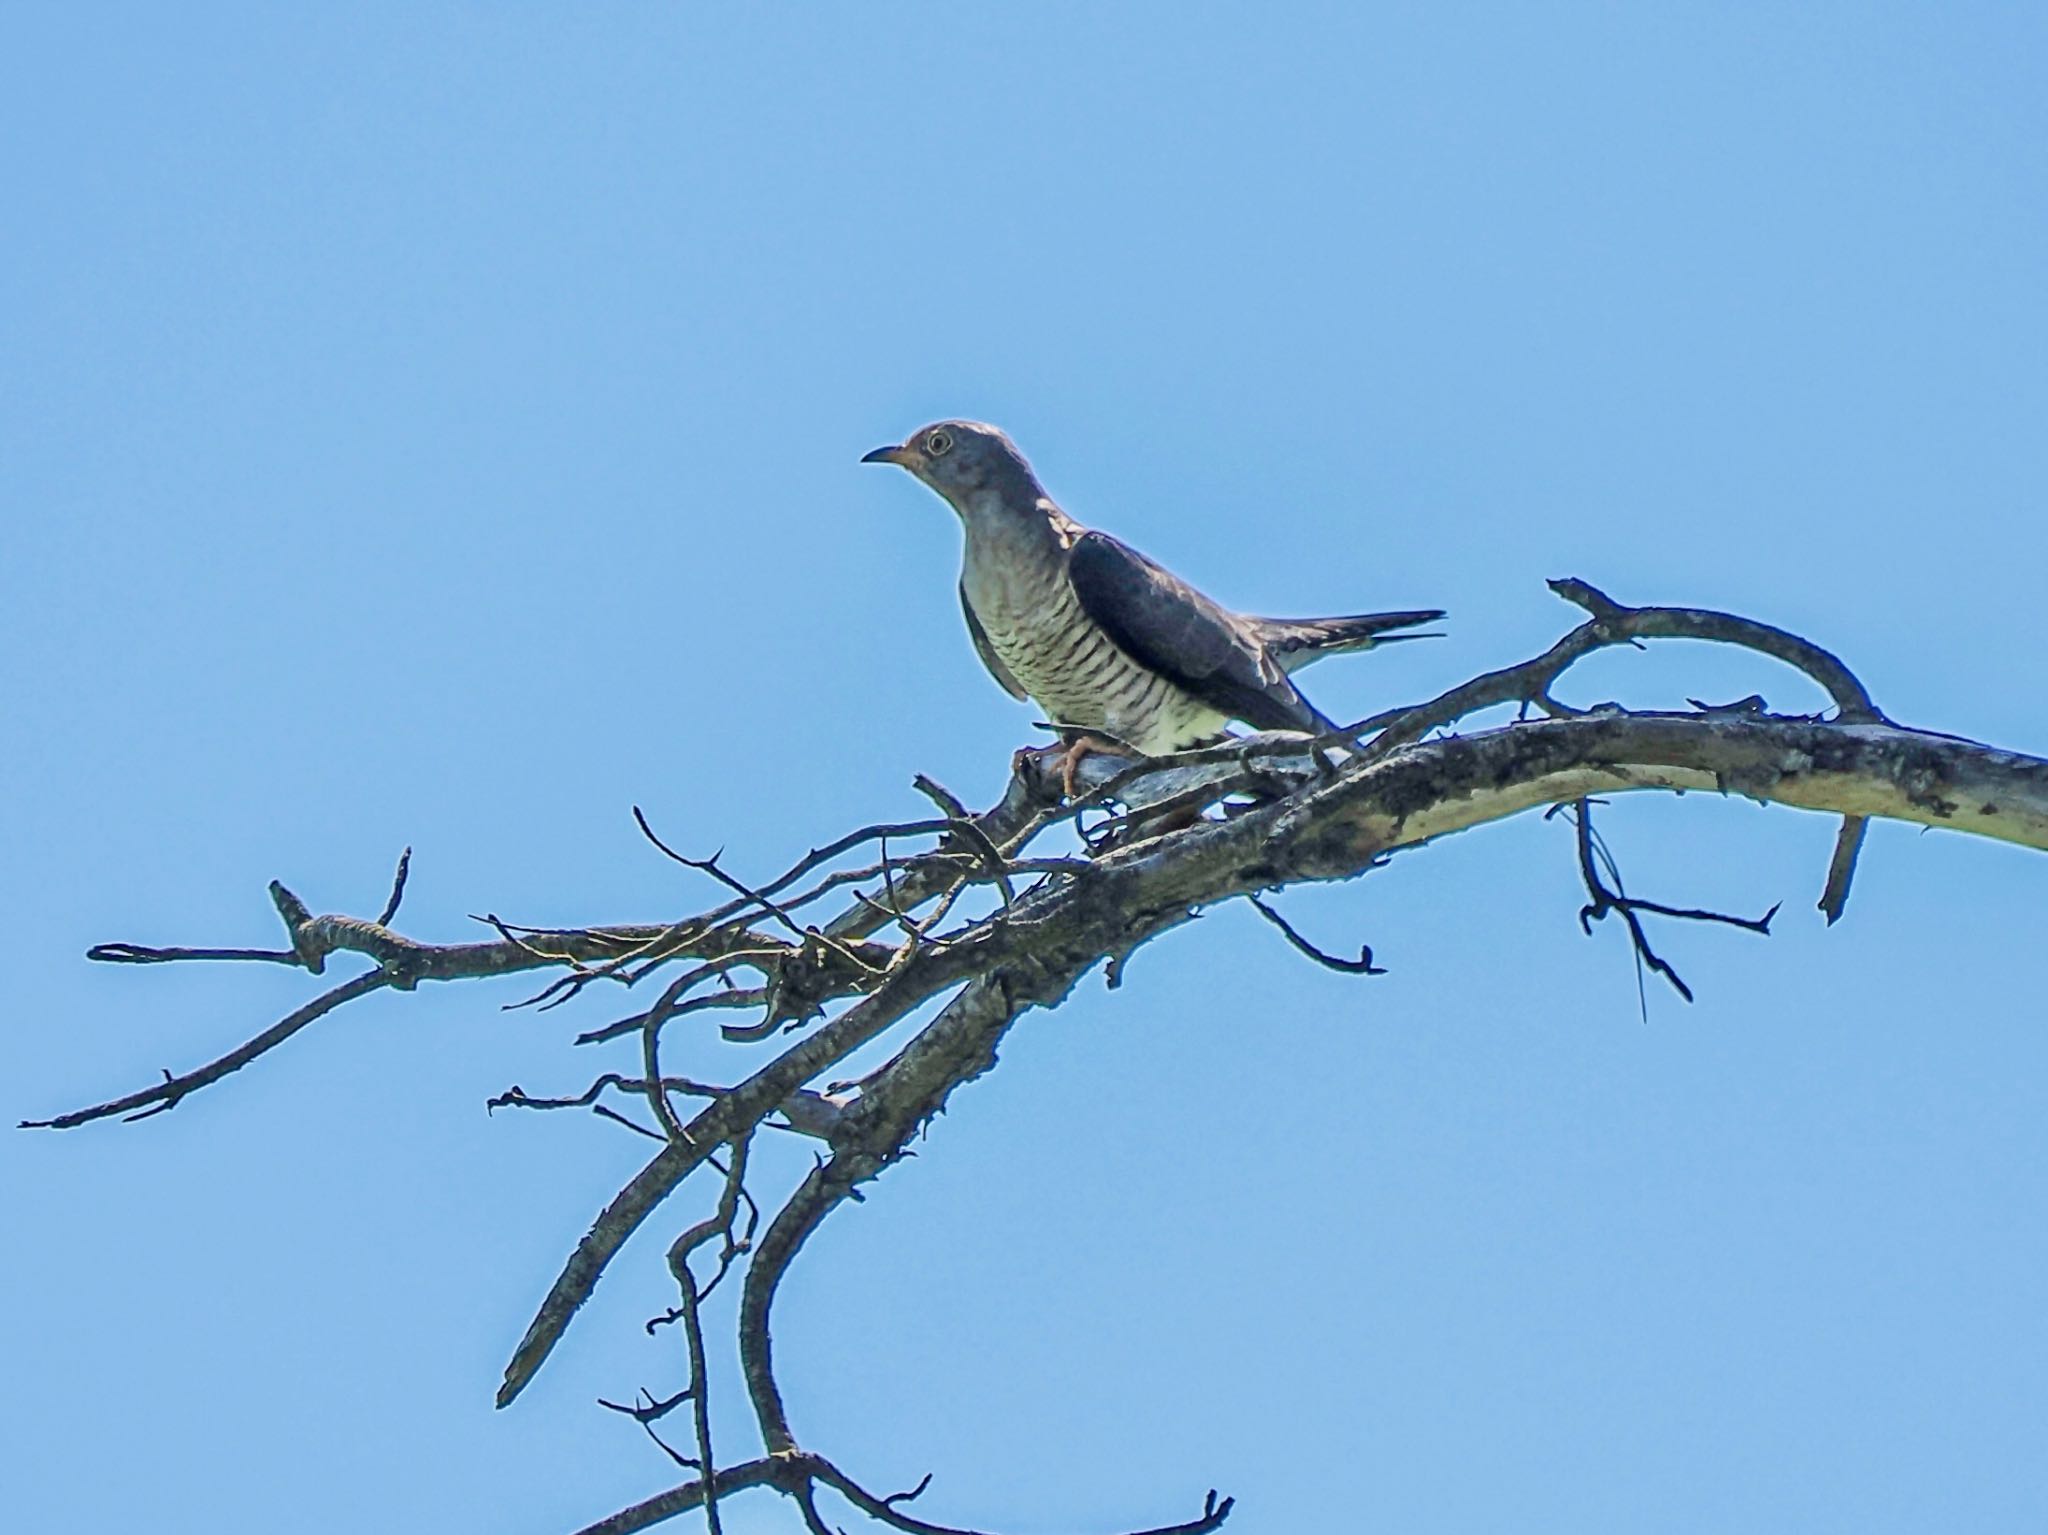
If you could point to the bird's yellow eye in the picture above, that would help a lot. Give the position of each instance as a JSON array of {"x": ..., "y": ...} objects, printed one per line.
[{"x": 938, "y": 443}]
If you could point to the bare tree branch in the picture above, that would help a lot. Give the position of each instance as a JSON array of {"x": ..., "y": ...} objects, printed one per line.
[
  {"x": 984, "y": 929},
  {"x": 169, "y": 1093}
]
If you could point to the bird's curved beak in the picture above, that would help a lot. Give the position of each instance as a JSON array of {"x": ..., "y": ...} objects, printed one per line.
[{"x": 890, "y": 455}]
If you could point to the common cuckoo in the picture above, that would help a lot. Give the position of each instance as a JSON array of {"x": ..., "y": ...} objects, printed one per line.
[{"x": 1107, "y": 642}]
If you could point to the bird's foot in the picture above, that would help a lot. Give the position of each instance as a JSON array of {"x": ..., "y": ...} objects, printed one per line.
[
  {"x": 1080, "y": 747},
  {"x": 1060, "y": 764}
]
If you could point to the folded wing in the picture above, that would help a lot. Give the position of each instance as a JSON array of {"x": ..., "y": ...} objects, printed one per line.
[{"x": 1163, "y": 623}]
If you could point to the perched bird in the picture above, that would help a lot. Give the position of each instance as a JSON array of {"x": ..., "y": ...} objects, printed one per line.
[{"x": 1107, "y": 642}]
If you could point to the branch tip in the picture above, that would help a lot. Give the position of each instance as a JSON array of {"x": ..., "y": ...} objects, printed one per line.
[
  {"x": 397, "y": 888},
  {"x": 1362, "y": 965},
  {"x": 1834, "y": 895}
]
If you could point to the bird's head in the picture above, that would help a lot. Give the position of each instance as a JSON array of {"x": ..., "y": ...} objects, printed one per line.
[{"x": 961, "y": 459}]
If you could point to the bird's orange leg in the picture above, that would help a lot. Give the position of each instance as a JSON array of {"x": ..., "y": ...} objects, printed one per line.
[{"x": 1084, "y": 745}]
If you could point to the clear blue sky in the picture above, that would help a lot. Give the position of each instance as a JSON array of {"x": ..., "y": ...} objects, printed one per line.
[{"x": 437, "y": 424}]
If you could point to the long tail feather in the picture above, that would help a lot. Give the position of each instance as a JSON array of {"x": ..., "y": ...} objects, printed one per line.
[{"x": 1295, "y": 642}]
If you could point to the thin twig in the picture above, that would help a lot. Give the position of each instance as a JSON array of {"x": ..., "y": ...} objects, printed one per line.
[
  {"x": 1602, "y": 900},
  {"x": 173, "y": 1090},
  {"x": 397, "y": 889},
  {"x": 140, "y": 954},
  {"x": 519, "y": 1098},
  {"x": 1362, "y": 965},
  {"x": 652, "y": 1409}
]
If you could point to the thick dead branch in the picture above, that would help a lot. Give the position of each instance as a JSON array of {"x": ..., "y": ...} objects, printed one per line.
[{"x": 959, "y": 913}]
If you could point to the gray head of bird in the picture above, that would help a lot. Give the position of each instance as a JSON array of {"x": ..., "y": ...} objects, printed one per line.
[{"x": 964, "y": 461}]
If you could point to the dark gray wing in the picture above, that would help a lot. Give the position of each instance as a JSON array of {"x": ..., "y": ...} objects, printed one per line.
[
  {"x": 987, "y": 652},
  {"x": 1160, "y": 621}
]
